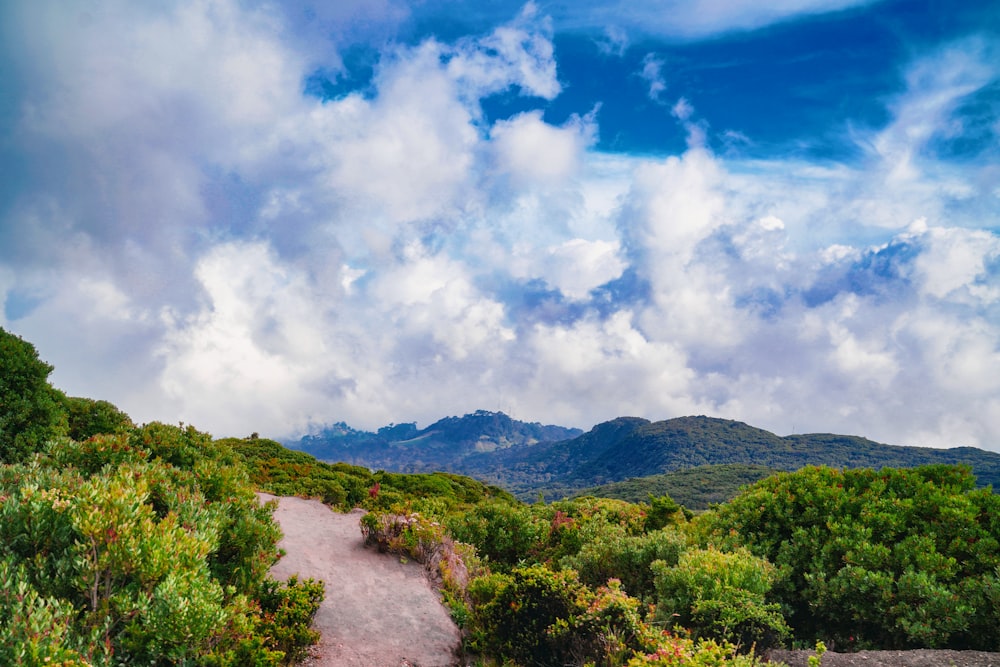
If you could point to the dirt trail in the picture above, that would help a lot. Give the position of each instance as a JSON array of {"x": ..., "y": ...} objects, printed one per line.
[{"x": 378, "y": 611}]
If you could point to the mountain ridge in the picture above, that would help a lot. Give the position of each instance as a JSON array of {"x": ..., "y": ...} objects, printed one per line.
[{"x": 529, "y": 458}]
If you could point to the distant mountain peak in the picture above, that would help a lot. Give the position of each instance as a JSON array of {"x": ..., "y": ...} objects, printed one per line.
[{"x": 529, "y": 457}]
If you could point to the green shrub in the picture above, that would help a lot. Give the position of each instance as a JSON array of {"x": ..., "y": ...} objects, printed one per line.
[
  {"x": 679, "y": 651},
  {"x": 610, "y": 630},
  {"x": 522, "y": 616},
  {"x": 503, "y": 533},
  {"x": 33, "y": 630},
  {"x": 88, "y": 418},
  {"x": 721, "y": 596},
  {"x": 287, "y": 612},
  {"x": 663, "y": 511},
  {"x": 31, "y": 410},
  {"x": 885, "y": 559},
  {"x": 614, "y": 554}
]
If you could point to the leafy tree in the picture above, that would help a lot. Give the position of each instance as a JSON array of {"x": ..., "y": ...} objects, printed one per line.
[
  {"x": 88, "y": 418},
  {"x": 31, "y": 410}
]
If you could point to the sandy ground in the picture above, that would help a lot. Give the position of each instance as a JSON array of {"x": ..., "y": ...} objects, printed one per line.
[{"x": 378, "y": 611}]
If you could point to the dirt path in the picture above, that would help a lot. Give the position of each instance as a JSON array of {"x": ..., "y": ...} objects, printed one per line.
[{"x": 378, "y": 611}]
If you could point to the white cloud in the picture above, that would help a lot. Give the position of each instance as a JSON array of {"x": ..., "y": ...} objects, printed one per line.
[
  {"x": 531, "y": 151},
  {"x": 574, "y": 267},
  {"x": 517, "y": 54},
  {"x": 198, "y": 240},
  {"x": 954, "y": 264},
  {"x": 610, "y": 366},
  {"x": 250, "y": 355},
  {"x": 406, "y": 154},
  {"x": 687, "y": 19},
  {"x": 652, "y": 73},
  {"x": 615, "y": 41}
]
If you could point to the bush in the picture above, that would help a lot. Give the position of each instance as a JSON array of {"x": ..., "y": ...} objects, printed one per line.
[
  {"x": 31, "y": 410},
  {"x": 503, "y": 533},
  {"x": 88, "y": 418},
  {"x": 287, "y": 612},
  {"x": 886, "y": 559},
  {"x": 614, "y": 554},
  {"x": 34, "y": 630},
  {"x": 679, "y": 651},
  {"x": 109, "y": 558},
  {"x": 721, "y": 596},
  {"x": 523, "y": 616}
]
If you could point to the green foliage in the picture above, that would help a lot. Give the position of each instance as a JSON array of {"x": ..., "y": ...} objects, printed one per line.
[
  {"x": 503, "y": 533},
  {"x": 281, "y": 471},
  {"x": 720, "y": 595},
  {"x": 614, "y": 554},
  {"x": 31, "y": 410},
  {"x": 890, "y": 558},
  {"x": 663, "y": 511},
  {"x": 33, "y": 630},
  {"x": 115, "y": 555},
  {"x": 696, "y": 488},
  {"x": 286, "y": 472},
  {"x": 287, "y": 612},
  {"x": 610, "y": 630},
  {"x": 523, "y": 616},
  {"x": 680, "y": 651},
  {"x": 90, "y": 456},
  {"x": 87, "y": 418},
  {"x": 817, "y": 660}
]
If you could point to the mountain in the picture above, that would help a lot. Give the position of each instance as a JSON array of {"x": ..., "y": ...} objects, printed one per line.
[
  {"x": 444, "y": 445},
  {"x": 695, "y": 488},
  {"x": 531, "y": 459}
]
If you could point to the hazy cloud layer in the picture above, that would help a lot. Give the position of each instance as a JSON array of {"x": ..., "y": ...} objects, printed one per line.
[{"x": 190, "y": 235}]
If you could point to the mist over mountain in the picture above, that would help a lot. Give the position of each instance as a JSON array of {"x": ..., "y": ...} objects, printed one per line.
[
  {"x": 531, "y": 458},
  {"x": 444, "y": 445}
]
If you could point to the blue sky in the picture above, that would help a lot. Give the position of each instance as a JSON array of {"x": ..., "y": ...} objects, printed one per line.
[{"x": 269, "y": 216}]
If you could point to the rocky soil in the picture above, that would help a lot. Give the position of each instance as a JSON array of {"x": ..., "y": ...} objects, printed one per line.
[{"x": 917, "y": 658}]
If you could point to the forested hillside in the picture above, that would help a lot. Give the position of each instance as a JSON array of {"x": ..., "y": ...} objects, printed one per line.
[
  {"x": 693, "y": 488},
  {"x": 615, "y": 451}
]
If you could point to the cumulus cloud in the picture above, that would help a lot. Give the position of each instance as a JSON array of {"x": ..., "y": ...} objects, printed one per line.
[
  {"x": 194, "y": 238},
  {"x": 533, "y": 152}
]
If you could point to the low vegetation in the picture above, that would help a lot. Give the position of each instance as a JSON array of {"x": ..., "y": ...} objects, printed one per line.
[{"x": 126, "y": 544}]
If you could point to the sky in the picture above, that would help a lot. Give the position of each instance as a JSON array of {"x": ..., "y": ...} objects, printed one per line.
[{"x": 256, "y": 216}]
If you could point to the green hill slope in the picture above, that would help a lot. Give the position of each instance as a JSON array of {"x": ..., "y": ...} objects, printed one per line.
[
  {"x": 529, "y": 459},
  {"x": 694, "y": 488}
]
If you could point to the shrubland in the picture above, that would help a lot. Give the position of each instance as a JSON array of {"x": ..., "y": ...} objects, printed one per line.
[
  {"x": 125, "y": 544},
  {"x": 131, "y": 545}
]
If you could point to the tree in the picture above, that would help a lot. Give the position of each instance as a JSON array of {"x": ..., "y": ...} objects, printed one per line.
[
  {"x": 88, "y": 418},
  {"x": 31, "y": 410}
]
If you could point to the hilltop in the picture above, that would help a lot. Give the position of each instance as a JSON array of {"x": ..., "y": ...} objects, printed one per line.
[{"x": 528, "y": 459}]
